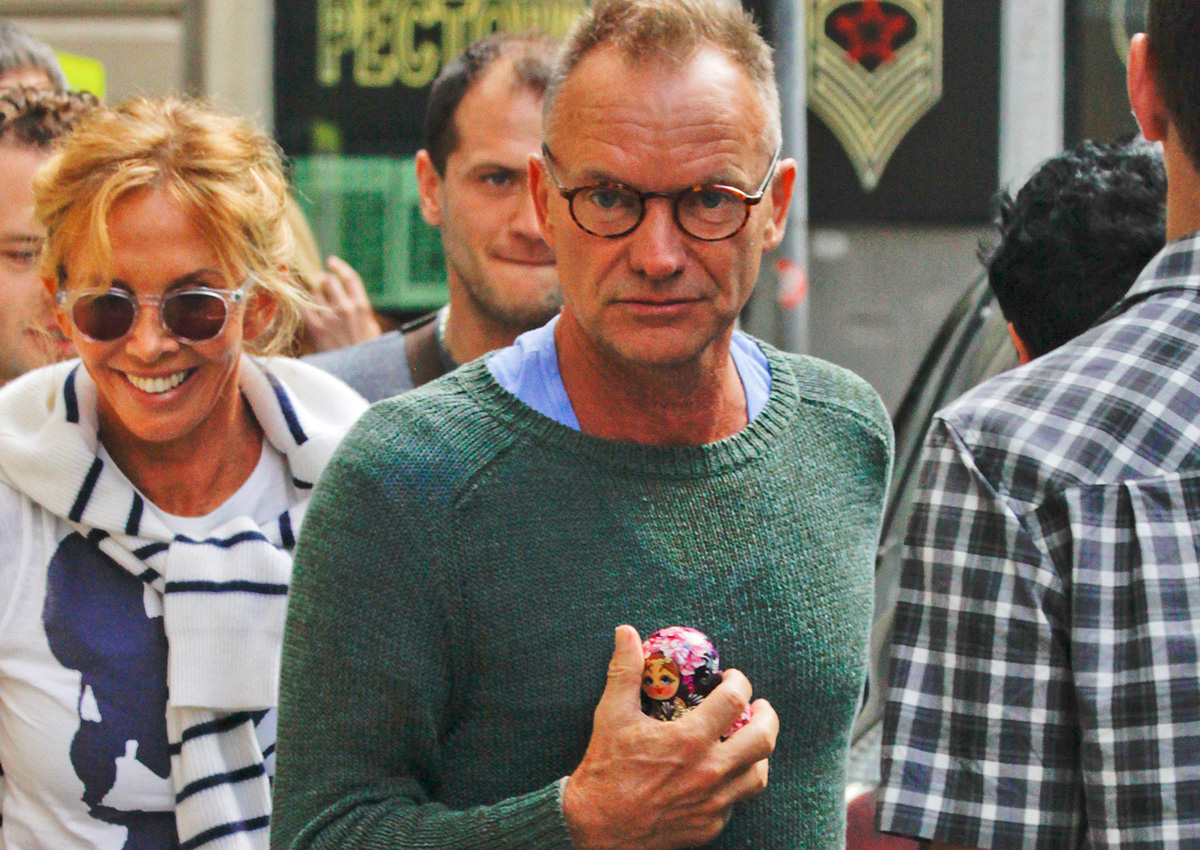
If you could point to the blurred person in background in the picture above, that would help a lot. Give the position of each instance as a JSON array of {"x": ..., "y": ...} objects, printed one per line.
[
  {"x": 340, "y": 312},
  {"x": 30, "y": 122},
  {"x": 482, "y": 122},
  {"x": 27, "y": 336},
  {"x": 25, "y": 61},
  {"x": 1066, "y": 249},
  {"x": 150, "y": 492},
  {"x": 1043, "y": 688},
  {"x": 1074, "y": 239}
]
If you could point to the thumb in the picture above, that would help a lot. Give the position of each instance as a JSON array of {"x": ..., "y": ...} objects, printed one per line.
[{"x": 622, "y": 693}]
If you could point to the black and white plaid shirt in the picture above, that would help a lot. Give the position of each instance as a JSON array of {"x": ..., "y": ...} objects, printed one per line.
[{"x": 1045, "y": 688}]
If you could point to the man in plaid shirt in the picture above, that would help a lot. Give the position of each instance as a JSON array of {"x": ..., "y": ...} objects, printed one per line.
[{"x": 1046, "y": 656}]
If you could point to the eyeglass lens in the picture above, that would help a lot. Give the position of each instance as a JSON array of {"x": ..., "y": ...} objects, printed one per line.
[
  {"x": 190, "y": 315},
  {"x": 706, "y": 212}
]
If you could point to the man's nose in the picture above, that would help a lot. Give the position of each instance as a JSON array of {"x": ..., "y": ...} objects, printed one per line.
[{"x": 657, "y": 248}]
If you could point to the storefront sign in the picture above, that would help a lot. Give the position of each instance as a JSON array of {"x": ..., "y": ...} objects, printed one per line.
[
  {"x": 406, "y": 42},
  {"x": 352, "y": 76}
]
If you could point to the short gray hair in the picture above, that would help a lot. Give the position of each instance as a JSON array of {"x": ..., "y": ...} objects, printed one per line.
[
  {"x": 20, "y": 51},
  {"x": 671, "y": 32}
]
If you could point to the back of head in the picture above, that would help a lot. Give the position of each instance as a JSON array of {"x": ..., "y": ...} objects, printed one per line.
[
  {"x": 670, "y": 33},
  {"x": 1173, "y": 27},
  {"x": 532, "y": 56},
  {"x": 1075, "y": 238},
  {"x": 219, "y": 165},
  {"x": 21, "y": 52},
  {"x": 36, "y": 118}
]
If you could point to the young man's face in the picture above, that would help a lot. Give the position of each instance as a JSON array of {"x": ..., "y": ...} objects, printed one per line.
[
  {"x": 494, "y": 251},
  {"x": 29, "y": 336}
]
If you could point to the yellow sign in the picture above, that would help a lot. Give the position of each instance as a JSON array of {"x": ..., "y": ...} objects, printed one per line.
[
  {"x": 407, "y": 42},
  {"x": 83, "y": 74}
]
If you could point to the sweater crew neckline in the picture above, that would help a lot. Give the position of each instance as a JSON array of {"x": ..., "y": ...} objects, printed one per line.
[{"x": 746, "y": 446}]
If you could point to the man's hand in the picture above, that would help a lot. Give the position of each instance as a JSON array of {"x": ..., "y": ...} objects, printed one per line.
[
  {"x": 343, "y": 314},
  {"x": 648, "y": 784}
]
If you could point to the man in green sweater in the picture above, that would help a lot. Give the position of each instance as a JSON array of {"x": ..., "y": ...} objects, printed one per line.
[{"x": 476, "y": 544}]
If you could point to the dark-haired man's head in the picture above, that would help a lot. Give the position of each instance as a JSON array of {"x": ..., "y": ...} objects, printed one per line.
[
  {"x": 531, "y": 58},
  {"x": 483, "y": 120},
  {"x": 30, "y": 121},
  {"x": 27, "y": 62},
  {"x": 1074, "y": 239}
]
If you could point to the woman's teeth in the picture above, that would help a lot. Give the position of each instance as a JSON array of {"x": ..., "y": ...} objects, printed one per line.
[{"x": 158, "y": 385}]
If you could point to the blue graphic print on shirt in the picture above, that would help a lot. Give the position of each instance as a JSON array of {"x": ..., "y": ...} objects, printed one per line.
[{"x": 96, "y": 622}]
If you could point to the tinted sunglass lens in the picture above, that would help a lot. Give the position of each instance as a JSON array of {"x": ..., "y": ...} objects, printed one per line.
[
  {"x": 194, "y": 315},
  {"x": 104, "y": 317}
]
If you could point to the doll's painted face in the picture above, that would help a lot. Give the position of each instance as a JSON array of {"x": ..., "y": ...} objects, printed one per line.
[{"x": 660, "y": 677}]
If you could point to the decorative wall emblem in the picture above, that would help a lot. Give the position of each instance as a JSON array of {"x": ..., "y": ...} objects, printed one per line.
[{"x": 874, "y": 68}]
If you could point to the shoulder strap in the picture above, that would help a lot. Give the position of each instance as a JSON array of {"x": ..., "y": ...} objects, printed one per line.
[{"x": 421, "y": 348}]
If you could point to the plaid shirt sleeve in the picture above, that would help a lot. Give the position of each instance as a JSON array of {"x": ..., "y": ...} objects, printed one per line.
[{"x": 981, "y": 746}]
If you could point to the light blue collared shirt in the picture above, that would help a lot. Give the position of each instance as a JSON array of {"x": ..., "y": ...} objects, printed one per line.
[{"x": 529, "y": 370}]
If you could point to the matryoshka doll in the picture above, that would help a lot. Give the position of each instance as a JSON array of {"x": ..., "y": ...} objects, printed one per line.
[{"x": 682, "y": 668}]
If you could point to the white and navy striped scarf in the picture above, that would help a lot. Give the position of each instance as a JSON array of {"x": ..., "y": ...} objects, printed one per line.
[{"x": 224, "y": 598}]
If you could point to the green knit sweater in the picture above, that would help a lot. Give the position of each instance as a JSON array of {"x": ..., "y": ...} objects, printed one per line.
[{"x": 465, "y": 561}]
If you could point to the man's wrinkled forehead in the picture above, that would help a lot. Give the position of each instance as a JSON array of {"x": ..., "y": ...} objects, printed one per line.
[
  {"x": 595, "y": 100},
  {"x": 709, "y": 72}
]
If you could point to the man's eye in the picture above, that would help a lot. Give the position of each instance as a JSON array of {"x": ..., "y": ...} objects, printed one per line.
[
  {"x": 22, "y": 258},
  {"x": 607, "y": 198},
  {"x": 498, "y": 179},
  {"x": 711, "y": 199}
]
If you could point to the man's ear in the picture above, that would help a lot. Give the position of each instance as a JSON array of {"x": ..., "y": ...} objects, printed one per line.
[
  {"x": 1019, "y": 344},
  {"x": 780, "y": 197},
  {"x": 540, "y": 185},
  {"x": 1145, "y": 97},
  {"x": 429, "y": 188}
]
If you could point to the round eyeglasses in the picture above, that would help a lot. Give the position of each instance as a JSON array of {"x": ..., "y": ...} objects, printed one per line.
[
  {"x": 189, "y": 315},
  {"x": 709, "y": 213}
]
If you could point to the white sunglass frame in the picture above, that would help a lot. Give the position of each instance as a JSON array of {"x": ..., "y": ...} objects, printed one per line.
[{"x": 67, "y": 299}]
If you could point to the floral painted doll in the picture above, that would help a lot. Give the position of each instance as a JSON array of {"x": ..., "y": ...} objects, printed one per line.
[{"x": 682, "y": 668}]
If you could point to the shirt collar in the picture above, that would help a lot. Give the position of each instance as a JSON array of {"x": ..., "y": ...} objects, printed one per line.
[{"x": 1175, "y": 267}]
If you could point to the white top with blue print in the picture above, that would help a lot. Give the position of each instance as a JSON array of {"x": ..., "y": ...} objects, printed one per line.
[{"x": 83, "y": 739}]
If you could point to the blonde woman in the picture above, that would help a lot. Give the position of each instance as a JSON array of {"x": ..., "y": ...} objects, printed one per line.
[{"x": 151, "y": 490}]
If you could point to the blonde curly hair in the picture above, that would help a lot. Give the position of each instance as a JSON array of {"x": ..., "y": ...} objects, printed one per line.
[{"x": 220, "y": 166}]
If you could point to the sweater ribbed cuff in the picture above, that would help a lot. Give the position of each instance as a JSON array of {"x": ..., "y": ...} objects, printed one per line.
[{"x": 535, "y": 820}]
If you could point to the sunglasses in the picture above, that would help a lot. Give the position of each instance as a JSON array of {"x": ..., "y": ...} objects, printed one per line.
[{"x": 189, "y": 315}]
